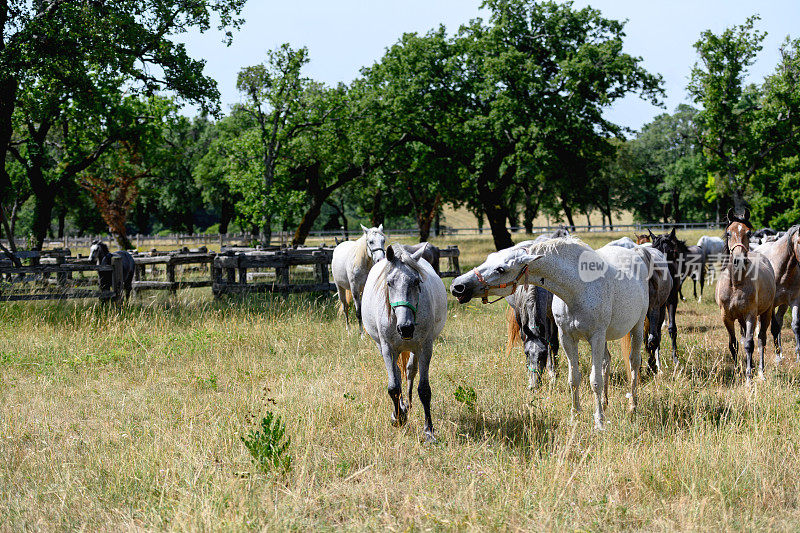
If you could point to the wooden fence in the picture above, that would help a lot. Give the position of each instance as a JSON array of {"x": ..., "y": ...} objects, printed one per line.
[
  {"x": 17, "y": 281},
  {"x": 236, "y": 271}
]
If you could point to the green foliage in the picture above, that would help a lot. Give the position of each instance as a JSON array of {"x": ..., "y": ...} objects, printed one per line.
[
  {"x": 266, "y": 446},
  {"x": 466, "y": 395}
]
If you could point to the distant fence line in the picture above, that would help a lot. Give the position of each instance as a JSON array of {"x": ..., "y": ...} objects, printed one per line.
[
  {"x": 233, "y": 271},
  {"x": 284, "y": 238}
]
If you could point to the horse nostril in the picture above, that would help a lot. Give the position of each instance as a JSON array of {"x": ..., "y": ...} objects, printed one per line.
[
  {"x": 458, "y": 289},
  {"x": 406, "y": 331}
]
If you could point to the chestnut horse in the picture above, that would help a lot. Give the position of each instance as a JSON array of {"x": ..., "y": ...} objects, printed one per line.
[{"x": 745, "y": 291}]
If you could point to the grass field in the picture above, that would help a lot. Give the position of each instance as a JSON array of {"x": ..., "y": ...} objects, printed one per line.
[{"x": 132, "y": 419}]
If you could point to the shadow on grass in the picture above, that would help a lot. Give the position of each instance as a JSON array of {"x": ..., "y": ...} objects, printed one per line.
[{"x": 530, "y": 432}]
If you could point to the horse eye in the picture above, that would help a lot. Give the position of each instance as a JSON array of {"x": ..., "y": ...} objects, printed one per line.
[{"x": 499, "y": 270}]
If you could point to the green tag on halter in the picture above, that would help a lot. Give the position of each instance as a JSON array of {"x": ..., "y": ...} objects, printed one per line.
[{"x": 404, "y": 304}]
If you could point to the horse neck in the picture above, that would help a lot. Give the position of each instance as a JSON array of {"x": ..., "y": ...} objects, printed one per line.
[{"x": 558, "y": 273}]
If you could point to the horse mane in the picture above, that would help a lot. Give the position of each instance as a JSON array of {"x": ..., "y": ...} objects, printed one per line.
[
  {"x": 553, "y": 245},
  {"x": 361, "y": 251}
]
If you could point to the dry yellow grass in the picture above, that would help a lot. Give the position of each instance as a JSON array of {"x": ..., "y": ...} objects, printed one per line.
[{"x": 131, "y": 419}]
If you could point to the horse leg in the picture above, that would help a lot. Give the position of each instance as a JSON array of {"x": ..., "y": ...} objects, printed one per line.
[
  {"x": 775, "y": 328},
  {"x": 411, "y": 373},
  {"x": 796, "y": 327},
  {"x": 424, "y": 389},
  {"x": 395, "y": 385},
  {"x": 596, "y": 378},
  {"x": 673, "y": 331},
  {"x": 749, "y": 328},
  {"x": 651, "y": 344},
  {"x": 763, "y": 324},
  {"x": 733, "y": 346},
  {"x": 635, "y": 358},
  {"x": 702, "y": 281},
  {"x": 552, "y": 356},
  {"x": 343, "y": 301},
  {"x": 606, "y": 376},
  {"x": 570, "y": 345}
]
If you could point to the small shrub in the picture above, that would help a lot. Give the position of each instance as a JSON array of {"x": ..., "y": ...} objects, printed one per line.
[
  {"x": 267, "y": 445},
  {"x": 467, "y": 396}
]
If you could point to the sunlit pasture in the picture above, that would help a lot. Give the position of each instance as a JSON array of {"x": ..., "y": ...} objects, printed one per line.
[{"x": 134, "y": 418}]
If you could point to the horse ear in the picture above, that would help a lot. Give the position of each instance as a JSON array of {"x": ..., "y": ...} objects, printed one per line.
[
  {"x": 672, "y": 233},
  {"x": 380, "y": 228},
  {"x": 418, "y": 254},
  {"x": 530, "y": 258},
  {"x": 746, "y": 214},
  {"x": 390, "y": 254},
  {"x": 651, "y": 233},
  {"x": 730, "y": 215},
  {"x": 364, "y": 229}
]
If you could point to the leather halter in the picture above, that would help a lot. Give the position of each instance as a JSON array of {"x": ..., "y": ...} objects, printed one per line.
[
  {"x": 730, "y": 250},
  {"x": 486, "y": 287}
]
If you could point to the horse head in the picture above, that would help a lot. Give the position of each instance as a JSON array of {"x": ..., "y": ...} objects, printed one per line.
[
  {"x": 404, "y": 278},
  {"x": 98, "y": 251},
  {"x": 376, "y": 242},
  {"x": 737, "y": 238},
  {"x": 498, "y": 276}
]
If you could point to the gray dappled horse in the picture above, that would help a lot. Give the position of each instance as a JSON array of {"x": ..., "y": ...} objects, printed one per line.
[
  {"x": 598, "y": 296},
  {"x": 404, "y": 308},
  {"x": 351, "y": 263},
  {"x": 99, "y": 254}
]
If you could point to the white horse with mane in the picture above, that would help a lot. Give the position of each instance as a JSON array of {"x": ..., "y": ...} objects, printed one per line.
[
  {"x": 599, "y": 296},
  {"x": 351, "y": 263},
  {"x": 404, "y": 310}
]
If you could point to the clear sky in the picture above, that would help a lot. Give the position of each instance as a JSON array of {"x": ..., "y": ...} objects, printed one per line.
[{"x": 342, "y": 36}]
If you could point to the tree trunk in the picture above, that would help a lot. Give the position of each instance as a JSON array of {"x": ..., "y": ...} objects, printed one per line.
[
  {"x": 306, "y": 223},
  {"x": 497, "y": 215},
  {"x": 531, "y": 210},
  {"x": 588, "y": 220},
  {"x": 62, "y": 219},
  {"x": 225, "y": 217},
  {"x": 437, "y": 229},
  {"x": 378, "y": 215},
  {"x": 42, "y": 215},
  {"x": 676, "y": 207},
  {"x": 123, "y": 241},
  {"x": 14, "y": 215},
  {"x": 568, "y": 213}
]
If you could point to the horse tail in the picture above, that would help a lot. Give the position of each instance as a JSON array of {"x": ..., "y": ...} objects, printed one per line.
[
  {"x": 402, "y": 360},
  {"x": 514, "y": 336},
  {"x": 626, "y": 352},
  {"x": 646, "y": 330},
  {"x": 348, "y": 300}
]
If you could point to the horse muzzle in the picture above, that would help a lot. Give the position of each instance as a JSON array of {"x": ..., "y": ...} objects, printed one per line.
[
  {"x": 406, "y": 331},
  {"x": 462, "y": 291}
]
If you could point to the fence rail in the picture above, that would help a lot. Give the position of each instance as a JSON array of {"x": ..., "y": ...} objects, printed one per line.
[{"x": 284, "y": 238}]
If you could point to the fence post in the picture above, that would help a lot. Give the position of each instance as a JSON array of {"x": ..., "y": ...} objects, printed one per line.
[
  {"x": 171, "y": 277},
  {"x": 242, "y": 269},
  {"x": 116, "y": 278},
  {"x": 322, "y": 268}
]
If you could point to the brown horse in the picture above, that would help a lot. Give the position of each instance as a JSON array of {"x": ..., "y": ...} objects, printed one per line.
[
  {"x": 745, "y": 291},
  {"x": 641, "y": 239},
  {"x": 784, "y": 256}
]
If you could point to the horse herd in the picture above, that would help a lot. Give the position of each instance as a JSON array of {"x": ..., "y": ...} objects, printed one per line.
[{"x": 561, "y": 291}]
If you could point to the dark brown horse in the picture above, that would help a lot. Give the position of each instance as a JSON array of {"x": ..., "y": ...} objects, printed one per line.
[
  {"x": 784, "y": 256},
  {"x": 676, "y": 252},
  {"x": 745, "y": 291}
]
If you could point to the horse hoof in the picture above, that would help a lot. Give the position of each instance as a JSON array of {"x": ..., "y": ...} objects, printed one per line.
[
  {"x": 428, "y": 437},
  {"x": 599, "y": 425}
]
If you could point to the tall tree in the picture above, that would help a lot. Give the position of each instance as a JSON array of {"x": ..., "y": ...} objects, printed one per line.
[
  {"x": 65, "y": 62},
  {"x": 742, "y": 129}
]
